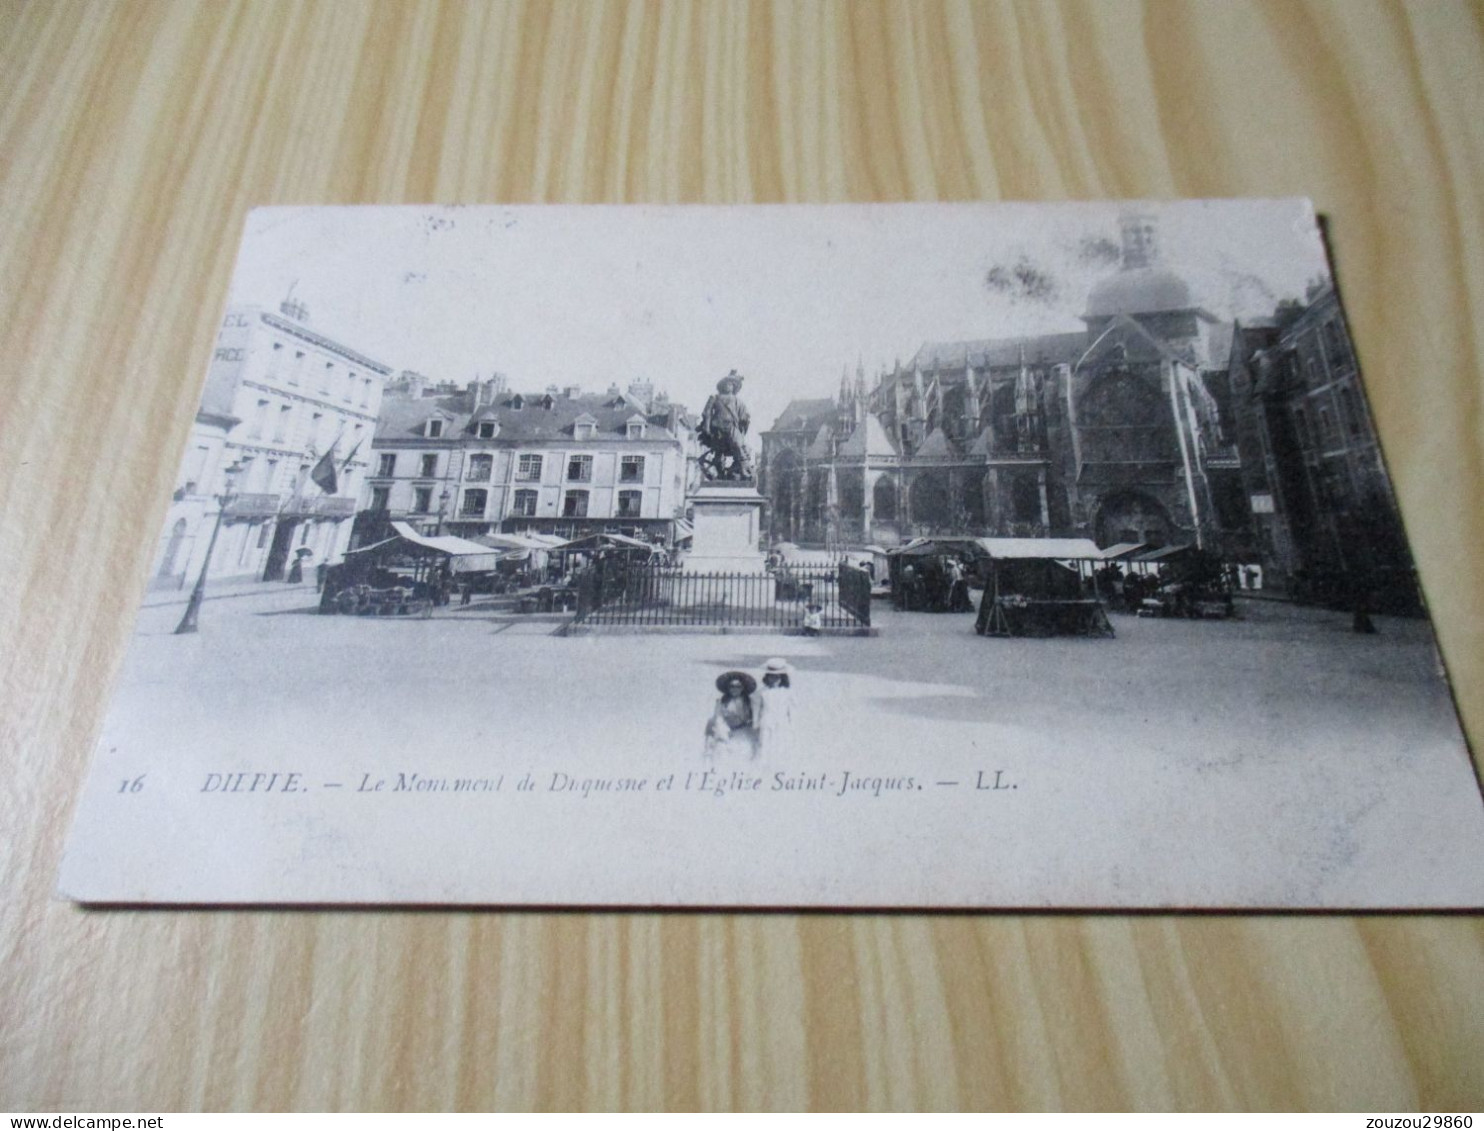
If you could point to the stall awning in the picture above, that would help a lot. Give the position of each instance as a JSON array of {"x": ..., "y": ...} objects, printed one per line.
[
  {"x": 598, "y": 541},
  {"x": 512, "y": 542},
  {"x": 501, "y": 541},
  {"x": 1163, "y": 554},
  {"x": 1123, "y": 550},
  {"x": 1055, "y": 549},
  {"x": 538, "y": 541},
  {"x": 920, "y": 547},
  {"x": 465, "y": 556}
]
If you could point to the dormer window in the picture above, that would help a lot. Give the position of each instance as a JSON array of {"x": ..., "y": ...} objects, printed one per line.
[
  {"x": 434, "y": 429},
  {"x": 584, "y": 427},
  {"x": 548, "y": 402},
  {"x": 517, "y": 402},
  {"x": 634, "y": 427},
  {"x": 488, "y": 429}
]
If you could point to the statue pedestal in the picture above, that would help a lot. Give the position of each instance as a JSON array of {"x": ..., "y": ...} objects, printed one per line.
[{"x": 728, "y": 519}]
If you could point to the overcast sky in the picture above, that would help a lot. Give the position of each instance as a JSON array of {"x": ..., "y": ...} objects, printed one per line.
[{"x": 785, "y": 295}]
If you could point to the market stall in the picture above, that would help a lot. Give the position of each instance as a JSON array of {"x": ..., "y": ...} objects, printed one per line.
[
  {"x": 1041, "y": 587},
  {"x": 524, "y": 558},
  {"x": 1181, "y": 581},
  {"x": 934, "y": 575},
  {"x": 408, "y": 572},
  {"x": 610, "y": 545}
]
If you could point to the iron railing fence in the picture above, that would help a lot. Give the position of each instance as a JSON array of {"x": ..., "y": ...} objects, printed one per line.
[{"x": 643, "y": 595}]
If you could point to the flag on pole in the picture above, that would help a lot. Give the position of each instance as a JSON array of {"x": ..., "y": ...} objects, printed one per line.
[
  {"x": 345, "y": 463},
  {"x": 323, "y": 474}
]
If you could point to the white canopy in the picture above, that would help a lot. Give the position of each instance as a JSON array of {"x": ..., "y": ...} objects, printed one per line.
[
  {"x": 1059, "y": 549},
  {"x": 467, "y": 556},
  {"x": 509, "y": 541}
]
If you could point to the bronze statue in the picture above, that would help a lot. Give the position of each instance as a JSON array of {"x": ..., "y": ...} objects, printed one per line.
[{"x": 724, "y": 423}]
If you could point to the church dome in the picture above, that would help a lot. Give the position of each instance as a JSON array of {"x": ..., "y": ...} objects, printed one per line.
[{"x": 1141, "y": 290}]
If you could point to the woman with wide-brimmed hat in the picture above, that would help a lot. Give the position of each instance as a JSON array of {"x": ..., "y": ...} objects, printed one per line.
[
  {"x": 775, "y": 702},
  {"x": 732, "y": 728}
]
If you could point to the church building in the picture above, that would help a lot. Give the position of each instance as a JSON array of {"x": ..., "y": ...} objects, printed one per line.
[{"x": 1114, "y": 432}]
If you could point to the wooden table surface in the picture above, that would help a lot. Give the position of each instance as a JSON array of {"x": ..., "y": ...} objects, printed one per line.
[{"x": 133, "y": 137}]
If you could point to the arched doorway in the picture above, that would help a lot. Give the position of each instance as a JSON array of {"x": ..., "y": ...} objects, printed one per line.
[
  {"x": 1025, "y": 500},
  {"x": 929, "y": 500},
  {"x": 851, "y": 494},
  {"x": 884, "y": 500},
  {"x": 785, "y": 491},
  {"x": 172, "y": 550},
  {"x": 1132, "y": 516},
  {"x": 972, "y": 514}
]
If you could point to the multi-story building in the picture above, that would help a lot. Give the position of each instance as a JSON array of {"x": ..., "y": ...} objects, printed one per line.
[
  {"x": 482, "y": 459},
  {"x": 1323, "y": 511},
  {"x": 279, "y": 395},
  {"x": 1112, "y": 432}
]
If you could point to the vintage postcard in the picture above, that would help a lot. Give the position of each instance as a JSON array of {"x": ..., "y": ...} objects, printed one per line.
[{"x": 1023, "y": 556}]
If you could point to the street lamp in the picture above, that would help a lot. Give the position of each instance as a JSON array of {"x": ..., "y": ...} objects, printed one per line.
[
  {"x": 442, "y": 506},
  {"x": 193, "y": 606}
]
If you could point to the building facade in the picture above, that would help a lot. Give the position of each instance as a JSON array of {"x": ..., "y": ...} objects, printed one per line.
[
  {"x": 1324, "y": 515},
  {"x": 482, "y": 459},
  {"x": 1112, "y": 432},
  {"x": 278, "y": 396}
]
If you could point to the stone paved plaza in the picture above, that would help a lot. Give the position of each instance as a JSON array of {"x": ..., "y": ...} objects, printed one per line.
[{"x": 1184, "y": 762}]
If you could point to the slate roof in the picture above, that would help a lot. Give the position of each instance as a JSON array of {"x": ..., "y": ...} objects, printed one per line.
[
  {"x": 821, "y": 448},
  {"x": 805, "y": 415},
  {"x": 869, "y": 439},
  {"x": 997, "y": 353},
  {"x": 936, "y": 446},
  {"x": 402, "y": 416},
  {"x": 1119, "y": 331}
]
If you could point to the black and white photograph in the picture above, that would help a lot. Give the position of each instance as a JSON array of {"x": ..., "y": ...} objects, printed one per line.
[{"x": 921, "y": 556}]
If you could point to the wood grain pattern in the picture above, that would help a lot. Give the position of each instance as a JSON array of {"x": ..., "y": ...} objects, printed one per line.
[{"x": 133, "y": 137}]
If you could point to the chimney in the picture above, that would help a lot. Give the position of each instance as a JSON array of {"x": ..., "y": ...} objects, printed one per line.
[
  {"x": 552, "y": 390},
  {"x": 643, "y": 392},
  {"x": 414, "y": 382},
  {"x": 572, "y": 392}
]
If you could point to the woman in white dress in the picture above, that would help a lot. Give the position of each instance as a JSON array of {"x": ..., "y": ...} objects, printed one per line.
[{"x": 776, "y": 709}]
